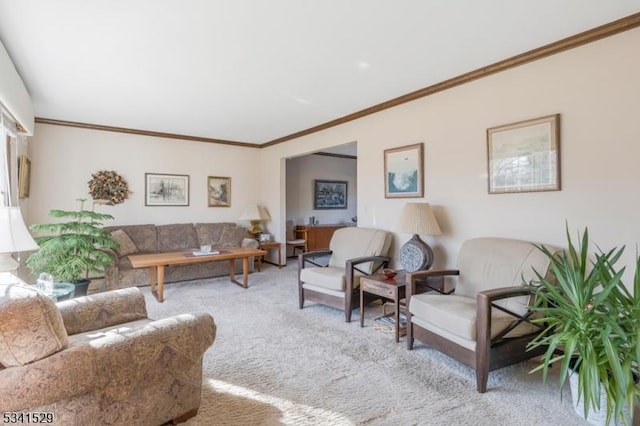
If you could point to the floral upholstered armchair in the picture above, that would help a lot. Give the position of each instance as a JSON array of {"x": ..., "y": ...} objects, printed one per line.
[{"x": 98, "y": 359}]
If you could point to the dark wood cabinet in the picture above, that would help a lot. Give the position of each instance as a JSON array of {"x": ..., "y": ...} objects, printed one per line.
[{"x": 317, "y": 236}]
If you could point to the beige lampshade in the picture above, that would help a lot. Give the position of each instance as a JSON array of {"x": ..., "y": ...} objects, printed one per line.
[
  {"x": 255, "y": 212},
  {"x": 418, "y": 218},
  {"x": 14, "y": 235}
]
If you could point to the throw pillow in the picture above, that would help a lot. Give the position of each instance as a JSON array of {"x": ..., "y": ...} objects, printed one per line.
[
  {"x": 127, "y": 246},
  {"x": 232, "y": 236},
  {"x": 31, "y": 327}
]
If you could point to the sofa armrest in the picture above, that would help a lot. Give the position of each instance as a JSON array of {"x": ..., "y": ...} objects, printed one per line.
[
  {"x": 102, "y": 310},
  {"x": 58, "y": 377},
  {"x": 412, "y": 277},
  {"x": 250, "y": 242}
]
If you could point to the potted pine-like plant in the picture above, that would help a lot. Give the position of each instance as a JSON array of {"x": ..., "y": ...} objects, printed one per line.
[
  {"x": 591, "y": 329},
  {"x": 73, "y": 249}
]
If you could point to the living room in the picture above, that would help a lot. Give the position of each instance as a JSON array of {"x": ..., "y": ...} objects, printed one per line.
[{"x": 593, "y": 87}]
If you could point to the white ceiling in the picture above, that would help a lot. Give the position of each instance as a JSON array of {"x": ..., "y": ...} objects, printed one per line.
[{"x": 257, "y": 70}]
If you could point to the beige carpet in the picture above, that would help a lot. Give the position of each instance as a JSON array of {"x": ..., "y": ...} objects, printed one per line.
[{"x": 274, "y": 364}]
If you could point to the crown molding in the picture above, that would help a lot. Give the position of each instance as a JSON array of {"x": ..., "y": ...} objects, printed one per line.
[
  {"x": 586, "y": 37},
  {"x": 142, "y": 132},
  {"x": 572, "y": 42}
]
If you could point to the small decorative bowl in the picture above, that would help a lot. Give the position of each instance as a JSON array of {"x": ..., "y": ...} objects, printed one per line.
[{"x": 389, "y": 273}]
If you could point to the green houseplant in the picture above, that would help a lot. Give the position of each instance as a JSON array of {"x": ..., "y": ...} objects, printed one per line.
[
  {"x": 72, "y": 250},
  {"x": 591, "y": 325}
]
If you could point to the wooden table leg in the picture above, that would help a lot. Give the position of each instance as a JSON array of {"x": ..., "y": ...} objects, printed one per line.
[
  {"x": 245, "y": 271},
  {"x": 361, "y": 307},
  {"x": 279, "y": 257},
  {"x": 232, "y": 271},
  {"x": 160, "y": 283},
  {"x": 153, "y": 272},
  {"x": 397, "y": 314}
]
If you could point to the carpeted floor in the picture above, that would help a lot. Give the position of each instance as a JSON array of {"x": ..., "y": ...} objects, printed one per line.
[{"x": 274, "y": 364}]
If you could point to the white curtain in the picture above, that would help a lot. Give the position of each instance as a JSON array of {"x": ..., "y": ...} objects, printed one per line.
[{"x": 9, "y": 161}]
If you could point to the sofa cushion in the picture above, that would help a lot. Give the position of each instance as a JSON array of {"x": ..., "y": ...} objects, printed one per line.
[
  {"x": 210, "y": 233},
  {"x": 143, "y": 236},
  {"x": 176, "y": 237},
  {"x": 31, "y": 326},
  {"x": 232, "y": 236},
  {"x": 126, "y": 244}
]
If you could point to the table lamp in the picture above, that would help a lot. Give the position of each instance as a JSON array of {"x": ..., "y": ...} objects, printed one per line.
[
  {"x": 416, "y": 219},
  {"x": 255, "y": 214},
  {"x": 14, "y": 237}
]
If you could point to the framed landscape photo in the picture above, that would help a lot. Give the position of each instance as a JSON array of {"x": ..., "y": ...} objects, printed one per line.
[
  {"x": 329, "y": 194},
  {"x": 524, "y": 156},
  {"x": 166, "y": 190},
  {"x": 404, "y": 172},
  {"x": 218, "y": 191}
]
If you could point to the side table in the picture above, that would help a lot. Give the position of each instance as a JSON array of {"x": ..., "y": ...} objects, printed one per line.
[
  {"x": 270, "y": 245},
  {"x": 393, "y": 289},
  {"x": 379, "y": 285}
]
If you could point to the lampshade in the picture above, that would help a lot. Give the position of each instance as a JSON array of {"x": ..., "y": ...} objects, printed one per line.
[
  {"x": 14, "y": 235},
  {"x": 255, "y": 212},
  {"x": 418, "y": 218}
]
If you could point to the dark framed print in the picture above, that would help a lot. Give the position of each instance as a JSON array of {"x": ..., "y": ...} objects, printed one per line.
[
  {"x": 524, "y": 156},
  {"x": 166, "y": 190},
  {"x": 218, "y": 191},
  {"x": 329, "y": 194},
  {"x": 404, "y": 172}
]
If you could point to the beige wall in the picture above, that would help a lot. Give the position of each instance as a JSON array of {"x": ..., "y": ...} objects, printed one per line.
[
  {"x": 301, "y": 174},
  {"x": 596, "y": 90},
  {"x": 63, "y": 159}
]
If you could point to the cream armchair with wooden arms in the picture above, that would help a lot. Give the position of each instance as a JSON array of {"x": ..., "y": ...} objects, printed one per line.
[
  {"x": 355, "y": 252},
  {"x": 485, "y": 321}
]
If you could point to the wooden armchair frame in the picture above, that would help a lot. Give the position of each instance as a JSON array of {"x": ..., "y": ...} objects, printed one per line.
[
  {"x": 351, "y": 297},
  {"x": 491, "y": 353}
]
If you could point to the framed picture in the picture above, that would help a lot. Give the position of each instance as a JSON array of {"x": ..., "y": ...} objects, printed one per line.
[
  {"x": 524, "y": 156},
  {"x": 404, "y": 172},
  {"x": 219, "y": 191},
  {"x": 24, "y": 176},
  {"x": 330, "y": 194},
  {"x": 166, "y": 190}
]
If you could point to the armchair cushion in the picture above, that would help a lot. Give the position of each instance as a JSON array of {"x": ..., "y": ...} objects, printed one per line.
[
  {"x": 103, "y": 310},
  {"x": 487, "y": 263},
  {"x": 351, "y": 242},
  {"x": 457, "y": 315},
  {"x": 331, "y": 277},
  {"x": 31, "y": 327}
]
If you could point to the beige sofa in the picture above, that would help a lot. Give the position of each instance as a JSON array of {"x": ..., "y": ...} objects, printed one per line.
[
  {"x": 99, "y": 360},
  {"x": 134, "y": 239}
]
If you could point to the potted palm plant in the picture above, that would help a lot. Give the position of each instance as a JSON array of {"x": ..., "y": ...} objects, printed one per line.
[
  {"x": 70, "y": 251},
  {"x": 591, "y": 329}
]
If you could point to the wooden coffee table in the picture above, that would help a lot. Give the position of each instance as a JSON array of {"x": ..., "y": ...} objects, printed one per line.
[{"x": 156, "y": 263}]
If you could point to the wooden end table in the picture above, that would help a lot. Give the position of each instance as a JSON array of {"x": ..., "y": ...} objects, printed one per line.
[
  {"x": 393, "y": 289},
  {"x": 266, "y": 246}
]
